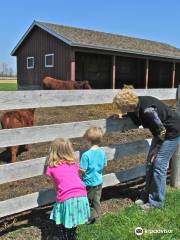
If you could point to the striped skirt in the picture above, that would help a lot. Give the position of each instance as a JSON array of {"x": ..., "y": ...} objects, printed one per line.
[{"x": 72, "y": 212}]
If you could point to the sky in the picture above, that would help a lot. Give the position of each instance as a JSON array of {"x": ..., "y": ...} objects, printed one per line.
[{"x": 157, "y": 20}]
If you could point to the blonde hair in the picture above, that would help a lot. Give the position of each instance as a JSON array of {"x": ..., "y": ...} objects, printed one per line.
[
  {"x": 94, "y": 135},
  {"x": 126, "y": 100},
  {"x": 61, "y": 151},
  {"x": 128, "y": 86}
]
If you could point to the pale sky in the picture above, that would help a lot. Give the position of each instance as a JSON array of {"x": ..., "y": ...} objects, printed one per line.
[{"x": 157, "y": 20}]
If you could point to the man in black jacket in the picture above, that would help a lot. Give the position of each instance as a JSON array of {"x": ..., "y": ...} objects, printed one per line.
[{"x": 164, "y": 125}]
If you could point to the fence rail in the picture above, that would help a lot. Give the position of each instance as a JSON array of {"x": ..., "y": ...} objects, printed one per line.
[
  {"x": 29, "y": 201},
  {"x": 35, "y": 167},
  {"x": 42, "y": 98},
  {"x": 36, "y": 134},
  {"x": 19, "y": 136}
]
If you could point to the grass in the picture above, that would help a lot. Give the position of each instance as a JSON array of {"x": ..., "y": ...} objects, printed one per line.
[
  {"x": 8, "y": 86},
  {"x": 121, "y": 226}
]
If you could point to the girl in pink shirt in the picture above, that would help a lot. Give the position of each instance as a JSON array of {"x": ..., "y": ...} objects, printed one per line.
[{"x": 71, "y": 208}]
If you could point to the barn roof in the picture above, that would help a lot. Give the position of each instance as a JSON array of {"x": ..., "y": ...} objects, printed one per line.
[{"x": 106, "y": 41}]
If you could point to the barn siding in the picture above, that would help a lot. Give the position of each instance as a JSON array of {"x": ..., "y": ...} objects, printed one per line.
[{"x": 38, "y": 44}]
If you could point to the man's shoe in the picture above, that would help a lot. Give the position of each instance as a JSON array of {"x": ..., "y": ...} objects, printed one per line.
[
  {"x": 139, "y": 202},
  {"x": 146, "y": 207}
]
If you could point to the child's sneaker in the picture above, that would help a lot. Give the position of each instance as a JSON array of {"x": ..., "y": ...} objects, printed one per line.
[{"x": 91, "y": 221}]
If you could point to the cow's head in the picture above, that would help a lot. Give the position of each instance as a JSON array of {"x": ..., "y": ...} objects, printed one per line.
[{"x": 47, "y": 83}]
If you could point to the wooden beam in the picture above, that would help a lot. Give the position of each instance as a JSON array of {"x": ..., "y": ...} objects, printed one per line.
[
  {"x": 175, "y": 176},
  {"x": 113, "y": 72},
  {"x": 61, "y": 98},
  {"x": 37, "y": 199},
  {"x": 112, "y": 179},
  {"x": 73, "y": 70},
  {"x": 35, "y": 167},
  {"x": 27, "y": 202},
  {"x": 37, "y": 134},
  {"x": 73, "y": 66},
  {"x": 147, "y": 73},
  {"x": 173, "y": 74}
]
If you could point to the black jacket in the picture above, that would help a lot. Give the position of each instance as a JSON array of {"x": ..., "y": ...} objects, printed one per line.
[{"x": 169, "y": 118}]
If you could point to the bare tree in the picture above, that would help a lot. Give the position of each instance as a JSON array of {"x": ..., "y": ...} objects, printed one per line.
[
  {"x": 6, "y": 70},
  {"x": 11, "y": 72}
]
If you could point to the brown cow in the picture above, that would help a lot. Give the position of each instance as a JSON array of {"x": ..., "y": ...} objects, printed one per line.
[
  {"x": 50, "y": 83},
  {"x": 17, "y": 119}
]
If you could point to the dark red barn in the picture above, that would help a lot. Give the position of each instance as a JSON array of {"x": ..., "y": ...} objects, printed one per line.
[{"x": 106, "y": 60}]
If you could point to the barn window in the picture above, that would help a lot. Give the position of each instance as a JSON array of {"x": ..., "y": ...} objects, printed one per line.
[
  {"x": 49, "y": 60},
  {"x": 30, "y": 62}
]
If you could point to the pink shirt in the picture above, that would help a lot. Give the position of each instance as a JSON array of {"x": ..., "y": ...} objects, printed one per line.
[{"x": 67, "y": 181}]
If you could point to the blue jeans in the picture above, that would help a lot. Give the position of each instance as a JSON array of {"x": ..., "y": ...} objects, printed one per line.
[{"x": 156, "y": 171}]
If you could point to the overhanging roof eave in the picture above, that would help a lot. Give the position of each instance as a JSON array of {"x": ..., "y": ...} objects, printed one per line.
[{"x": 124, "y": 51}]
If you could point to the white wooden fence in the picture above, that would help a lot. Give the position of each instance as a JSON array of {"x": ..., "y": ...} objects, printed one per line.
[{"x": 34, "y": 167}]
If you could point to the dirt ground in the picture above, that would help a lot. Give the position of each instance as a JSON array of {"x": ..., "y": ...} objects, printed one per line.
[{"x": 113, "y": 198}]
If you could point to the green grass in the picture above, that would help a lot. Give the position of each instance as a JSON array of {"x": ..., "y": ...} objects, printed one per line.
[
  {"x": 8, "y": 86},
  {"x": 121, "y": 226}
]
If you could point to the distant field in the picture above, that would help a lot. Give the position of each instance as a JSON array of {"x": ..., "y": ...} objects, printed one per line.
[
  {"x": 8, "y": 86},
  {"x": 8, "y": 80}
]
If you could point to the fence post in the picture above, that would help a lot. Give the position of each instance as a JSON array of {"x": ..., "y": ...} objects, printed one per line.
[{"x": 175, "y": 167}]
